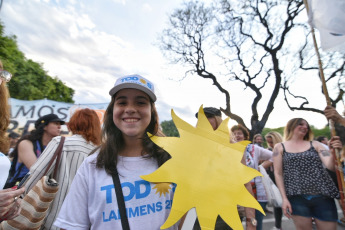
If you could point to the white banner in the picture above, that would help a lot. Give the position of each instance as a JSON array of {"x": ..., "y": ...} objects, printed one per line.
[
  {"x": 328, "y": 16},
  {"x": 25, "y": 113}
]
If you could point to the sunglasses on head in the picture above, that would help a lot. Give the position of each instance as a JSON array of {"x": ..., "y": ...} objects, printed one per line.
[{"x": 5, "y": 75}]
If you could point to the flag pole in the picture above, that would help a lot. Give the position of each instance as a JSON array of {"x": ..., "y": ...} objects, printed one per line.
[{"x": 336, "y": 152}]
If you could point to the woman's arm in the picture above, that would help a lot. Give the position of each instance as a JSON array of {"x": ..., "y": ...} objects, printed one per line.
[
  {"x": 278, "y": 174},
  {"x": 37, "y": 170},
  {"x": 325, "y": 155},
  {"x": 266, "y": 156},
  {"x": 267, "y": 164},
  {"x": 26, "y": 153},
  {"x": 263, "y": 154}
]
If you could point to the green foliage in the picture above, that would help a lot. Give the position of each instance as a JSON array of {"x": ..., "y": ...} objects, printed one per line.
[
  {"x": 169, "y": 128},
  {"x": 321, "y": 132},
  {"x": 30, "y": 81}
]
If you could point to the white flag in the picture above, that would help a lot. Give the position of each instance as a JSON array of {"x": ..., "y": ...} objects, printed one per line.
[{"x": 328, "y": 16}]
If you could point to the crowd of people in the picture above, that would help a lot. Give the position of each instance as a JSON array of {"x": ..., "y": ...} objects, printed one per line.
[{"x": 95, "y": 161}]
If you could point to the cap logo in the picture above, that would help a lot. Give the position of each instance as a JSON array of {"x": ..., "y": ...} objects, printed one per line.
[
  {"x": 135, "y": 79},
  {"x": 135, "y": 82}
]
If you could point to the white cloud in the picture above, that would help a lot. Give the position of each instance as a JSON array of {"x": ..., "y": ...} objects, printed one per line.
[
  {"x": 123, "y": 2},
  {"x": 71, "y": 47},
  {"x": 147, "y": 7},
  {"x": 88, "y": 44}
]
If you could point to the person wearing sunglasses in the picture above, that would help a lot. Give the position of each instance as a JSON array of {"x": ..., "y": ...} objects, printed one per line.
[{"x": 9, "y": 202}]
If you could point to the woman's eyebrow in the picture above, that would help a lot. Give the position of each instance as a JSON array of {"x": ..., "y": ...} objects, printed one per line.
[
  {"x": 142, "y": 97},
  {"x": 137, "y": 97},
  {"x": 120, "y": 97}
]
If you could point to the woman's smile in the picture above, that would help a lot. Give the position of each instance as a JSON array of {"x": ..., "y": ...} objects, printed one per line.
[{"x": 132, "y": 112}]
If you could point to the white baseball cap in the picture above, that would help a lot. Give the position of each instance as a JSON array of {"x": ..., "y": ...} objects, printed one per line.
[{"x": 134, "y": 82}]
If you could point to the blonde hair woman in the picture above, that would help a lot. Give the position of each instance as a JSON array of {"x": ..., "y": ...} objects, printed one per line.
[
  {"x": 305, "y": 185},
  {"x": 273, "y": 138}
]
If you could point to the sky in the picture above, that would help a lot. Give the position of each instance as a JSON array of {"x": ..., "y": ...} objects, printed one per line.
[{"x": 89, "y": 44}]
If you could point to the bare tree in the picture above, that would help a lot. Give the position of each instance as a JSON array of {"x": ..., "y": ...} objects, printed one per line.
[
  {"x": 254, "y": 42},
  {"x": 333, "y": 64}
]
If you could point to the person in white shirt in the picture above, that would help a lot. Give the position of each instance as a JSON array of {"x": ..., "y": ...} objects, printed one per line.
[
  {"x": 126, "y": 149},
  {"x": 254, "y": 155},
  {"x": 5, "y": 165}
]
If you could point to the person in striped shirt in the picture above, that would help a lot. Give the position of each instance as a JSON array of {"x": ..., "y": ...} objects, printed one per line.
[{"x": 86, "y": 129}]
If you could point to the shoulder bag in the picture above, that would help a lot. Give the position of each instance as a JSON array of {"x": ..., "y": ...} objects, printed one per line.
[
  {"x": 273, "y": 195},
  {"x": 36, "y": 203}
]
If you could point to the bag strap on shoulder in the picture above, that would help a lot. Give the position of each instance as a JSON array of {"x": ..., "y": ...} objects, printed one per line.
[
  {"x": 120, "y": 200},
  {"x": 57, "y": 155}
]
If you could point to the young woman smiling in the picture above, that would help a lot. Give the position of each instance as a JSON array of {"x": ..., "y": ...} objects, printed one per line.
[
  {"x": 300, "y": 169},
  {"x": 126, "y": 151}
]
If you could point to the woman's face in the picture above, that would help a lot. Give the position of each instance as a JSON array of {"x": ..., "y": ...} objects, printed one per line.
[
  {"x": 302, "y": 128},
  {"x": 53, "y": 129},
  {"x": 269, "y": 141},
  {"x": 132, "y": 112},
  {"x": 238, "y": 135},
  {"x": 213, "y": 122}
]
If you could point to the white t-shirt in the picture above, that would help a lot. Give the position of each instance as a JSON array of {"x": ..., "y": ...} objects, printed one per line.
[
  {"x": 254, "y": 154},
  {"x": 91, "y": 201},
  {"x": 5, "y": 165},
  {"x": 325, "y": 146}
]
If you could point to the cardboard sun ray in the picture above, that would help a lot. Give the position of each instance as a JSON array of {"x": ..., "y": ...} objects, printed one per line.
[{"x": 208, "y": 172}]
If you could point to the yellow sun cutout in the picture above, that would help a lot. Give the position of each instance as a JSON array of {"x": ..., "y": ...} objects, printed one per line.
[
  {"x": 207, "y": 171},
  {"x": 162, "y": 188}
]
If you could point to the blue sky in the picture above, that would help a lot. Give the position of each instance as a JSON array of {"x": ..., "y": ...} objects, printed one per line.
[{"x": 89, "y": 44}]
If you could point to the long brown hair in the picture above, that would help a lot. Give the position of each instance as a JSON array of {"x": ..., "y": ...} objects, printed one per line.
[
  {"x": 290, "y": 127},
  {"x": 4, "y": 116},
  {"x": 113, "y": 143},
  {"x": 85, "y": 122}
]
